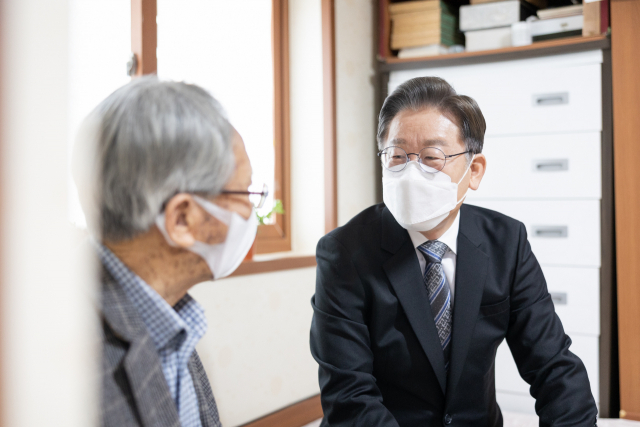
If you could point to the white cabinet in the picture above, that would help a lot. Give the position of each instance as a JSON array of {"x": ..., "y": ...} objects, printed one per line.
[
  {"x": 576, "y": 295},
  {"x": 551, "y": 95},
  {"x": 563, "y": 166},
  {"x": 544, "y": 153},
  {"x": 508, "y": 380}
]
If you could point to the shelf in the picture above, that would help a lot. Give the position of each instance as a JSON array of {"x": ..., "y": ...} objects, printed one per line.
[{"x": 545, "y": 48}]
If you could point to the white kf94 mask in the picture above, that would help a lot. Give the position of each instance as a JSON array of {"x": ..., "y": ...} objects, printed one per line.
[
  {"x": 222, "y": 258},
  {"x": 419, "y": 200}
]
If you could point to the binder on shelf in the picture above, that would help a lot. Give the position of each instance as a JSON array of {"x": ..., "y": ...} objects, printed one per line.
[
  {"x": 423, "y": 23},
  {"x": 596, "y": 18}
]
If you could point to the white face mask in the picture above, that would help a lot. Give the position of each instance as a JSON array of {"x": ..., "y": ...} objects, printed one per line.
[
  {"x": 418, "y": 200},
  {"x": 222, "y": 258}
]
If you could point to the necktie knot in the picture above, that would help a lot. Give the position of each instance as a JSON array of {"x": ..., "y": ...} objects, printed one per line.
[{"x": 433, "y": 250}]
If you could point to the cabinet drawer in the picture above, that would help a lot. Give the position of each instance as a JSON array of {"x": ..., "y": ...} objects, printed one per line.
[
  {"x": 561, "y": 233},
  {"x": 559, "y": 166},
  {"x": 528, "y": 97},
  {"x": 576, "y": 295},
  {"x": 508, "y": 379}
]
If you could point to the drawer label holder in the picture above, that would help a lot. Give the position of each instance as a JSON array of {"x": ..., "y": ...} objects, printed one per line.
[
  {"x": 550, "y": 231},
  {"x": 551, "y": 165}
]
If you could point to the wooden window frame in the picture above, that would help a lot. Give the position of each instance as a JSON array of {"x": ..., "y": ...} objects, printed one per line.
[
  {"x": 274, "y": 237},
  {"x": 277, "y": 237}
]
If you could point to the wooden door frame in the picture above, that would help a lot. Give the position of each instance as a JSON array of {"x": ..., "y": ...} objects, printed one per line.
[{"x": 625, "y": 15}]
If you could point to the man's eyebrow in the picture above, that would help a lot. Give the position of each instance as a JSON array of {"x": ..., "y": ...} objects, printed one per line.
[
  {"x": 434, "y": 142},
  {"x": 397, "y": 141},
  {"x": 426, "y": 143}
]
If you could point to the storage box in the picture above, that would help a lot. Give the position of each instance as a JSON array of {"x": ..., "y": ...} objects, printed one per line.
[
  {"x": 547, "y": 29},
  {"x": 493, "y": 38},
  {"x": 493, "y": 15}
]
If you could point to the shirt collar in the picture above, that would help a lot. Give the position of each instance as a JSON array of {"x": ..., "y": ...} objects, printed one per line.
[
  {"x": 449, "y": 238},
  {"x": 166, "y": 325}
]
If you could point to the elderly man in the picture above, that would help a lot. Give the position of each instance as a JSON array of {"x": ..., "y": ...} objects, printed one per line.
[
  {"x": 170, "y": 210},
  {"x": 414, "y": 296}
]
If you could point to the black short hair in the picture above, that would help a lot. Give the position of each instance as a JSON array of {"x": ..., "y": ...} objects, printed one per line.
[{"x": 433, "y": 92}]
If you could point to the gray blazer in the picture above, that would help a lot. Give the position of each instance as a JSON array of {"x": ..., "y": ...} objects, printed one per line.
[{"x": 134, "y": 389}]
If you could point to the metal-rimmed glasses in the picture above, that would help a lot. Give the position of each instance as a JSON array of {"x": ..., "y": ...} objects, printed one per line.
[
  {"x": 257, "y": 198},
  {"x": 430, "y": 159}
]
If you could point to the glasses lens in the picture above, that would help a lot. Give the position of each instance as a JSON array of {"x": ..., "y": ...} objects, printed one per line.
[
  {"x": 432, "y": 159},
  {"x": 258, "y": 199},
  {"x": 394, "y": 159}
]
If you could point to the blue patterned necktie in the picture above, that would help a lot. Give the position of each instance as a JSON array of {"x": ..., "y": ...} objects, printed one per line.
[{"x": 439, "y": 293}]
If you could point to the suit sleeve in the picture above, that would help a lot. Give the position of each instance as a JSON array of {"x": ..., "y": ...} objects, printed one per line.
[
  {"x": 540, "y": 348},
  {"x": 340, "y": 343}
]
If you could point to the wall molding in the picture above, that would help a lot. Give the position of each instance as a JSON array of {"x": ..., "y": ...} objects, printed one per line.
[{"x": 296, "y": 415}]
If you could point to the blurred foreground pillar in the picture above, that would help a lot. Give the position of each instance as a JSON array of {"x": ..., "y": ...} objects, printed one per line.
[{"x": 48, "y": 340}]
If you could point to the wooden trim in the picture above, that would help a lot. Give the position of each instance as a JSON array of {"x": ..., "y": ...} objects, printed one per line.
[
  {"x": 329, "y": 101},
  {"x": 545, "y": 48},
  {"x": 297, "y": 415},
  {"x": 3, "y": 53},
  {"x": 277, "y": 237},
  {"x": 144, "y": 35},
  {"x": 279, "y": 264},
  {"x": 609, "y": 400},
  {"x": 625, "y": 33},
  {"x": 630, "y": 415}
]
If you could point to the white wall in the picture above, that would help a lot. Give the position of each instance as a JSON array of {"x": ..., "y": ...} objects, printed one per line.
[
  {"x": 256, "y": 350},
  {"x": 49, "y": 345},
  {"x": 356, "y": 115}
]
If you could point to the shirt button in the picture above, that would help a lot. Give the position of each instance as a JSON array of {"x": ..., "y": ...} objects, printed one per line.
[{"x": 448, "y": 419}]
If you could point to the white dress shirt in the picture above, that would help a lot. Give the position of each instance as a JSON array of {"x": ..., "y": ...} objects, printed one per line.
[{"x": 449, "y": 238}]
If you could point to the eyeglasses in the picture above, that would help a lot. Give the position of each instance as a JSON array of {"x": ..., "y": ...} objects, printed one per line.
[
  {"x": 431, "y": 159},
  {"x": 257, "y": 198}
]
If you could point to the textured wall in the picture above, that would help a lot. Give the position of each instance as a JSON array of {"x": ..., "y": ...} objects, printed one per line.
[{"x": 356, "y": 115}]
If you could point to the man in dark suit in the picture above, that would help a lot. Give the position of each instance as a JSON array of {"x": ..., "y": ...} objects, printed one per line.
[
  {"x": 163, "y": 178},
  {"x": 414, "y": 296}
]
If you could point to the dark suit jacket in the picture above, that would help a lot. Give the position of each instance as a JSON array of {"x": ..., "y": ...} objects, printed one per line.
[
  {"x": 375, "y": 340},
  {"x": 134, "y": 389}
]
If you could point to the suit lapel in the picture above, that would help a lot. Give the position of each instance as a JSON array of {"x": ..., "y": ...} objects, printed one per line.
[
  {"x": 403, "y": 271},
  {"x": 471, "y": 273},
  {"x": 149, "y": 388}
]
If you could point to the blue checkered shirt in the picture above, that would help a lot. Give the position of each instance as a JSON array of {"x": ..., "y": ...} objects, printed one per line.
[{"x": 175, "y": 331}]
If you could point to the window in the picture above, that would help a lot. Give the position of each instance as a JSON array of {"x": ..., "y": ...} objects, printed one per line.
[{"x": 238, "y": 51}]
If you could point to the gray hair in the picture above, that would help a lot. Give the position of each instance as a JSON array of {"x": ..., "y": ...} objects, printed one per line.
[
  {"x": 433, "y": 92},
  {"x": 151, "y": 140}
]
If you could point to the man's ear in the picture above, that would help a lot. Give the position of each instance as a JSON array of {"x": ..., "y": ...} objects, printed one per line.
[
  {"x": 477, "y": 169},
  {"x": 181, "y": 216}
]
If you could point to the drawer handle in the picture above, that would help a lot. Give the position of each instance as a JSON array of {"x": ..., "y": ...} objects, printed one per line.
[
  {"x": 555, "y": 165},
  {"x": 551, "y": 99},
  {"x": 558, "y": 298},
  {"x": 552, "y": 231}
]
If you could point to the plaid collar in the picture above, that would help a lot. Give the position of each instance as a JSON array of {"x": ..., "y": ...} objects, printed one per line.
[{"x": 168, "y": 326}]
